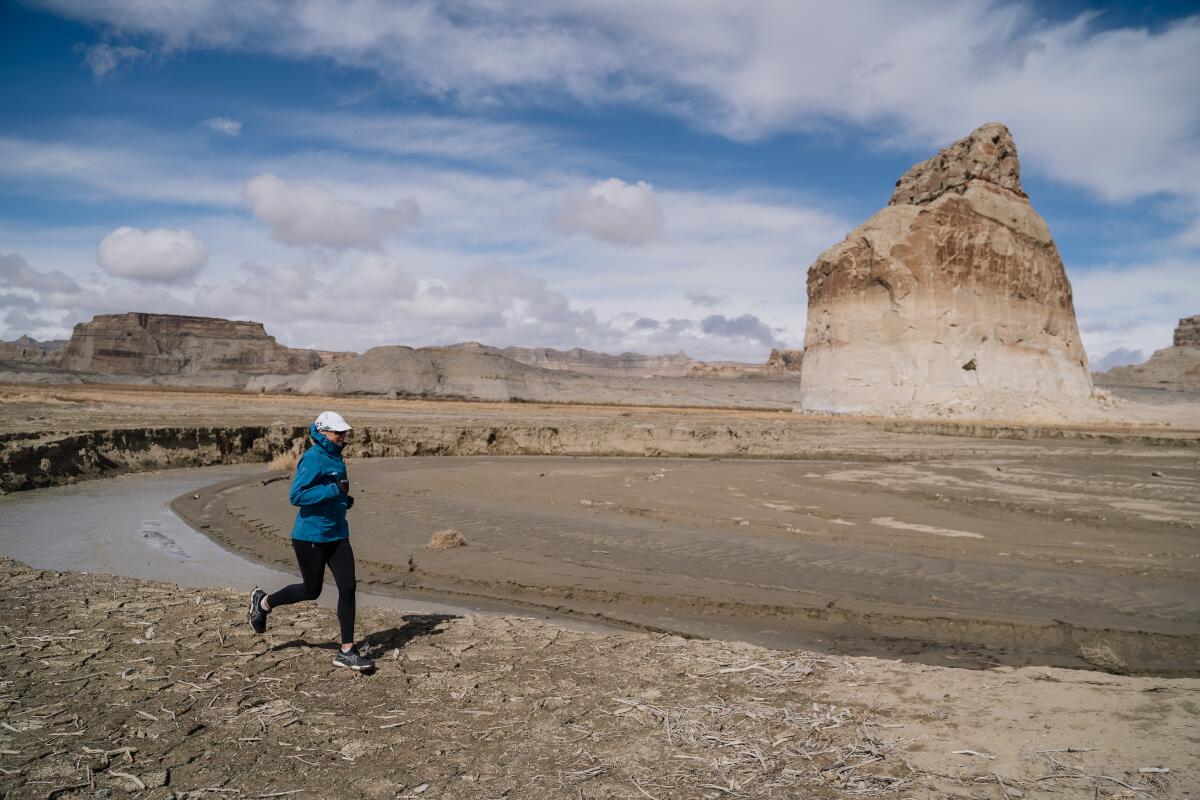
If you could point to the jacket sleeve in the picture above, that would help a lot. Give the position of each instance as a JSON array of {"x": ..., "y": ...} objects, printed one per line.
[{"x": 309, "y": 487}]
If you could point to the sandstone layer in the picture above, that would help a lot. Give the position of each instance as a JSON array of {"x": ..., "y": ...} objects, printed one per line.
[
  {"x": 785, "y": 360},
  {"x": 193, "y": 349},
  {"x": 483, "y": 373},
  {"x": 952, "y": 300},
  {"x": 1175, "y": 367},
  {"x": 31, "y": 352},
  {"x": 590, "y": 362}
]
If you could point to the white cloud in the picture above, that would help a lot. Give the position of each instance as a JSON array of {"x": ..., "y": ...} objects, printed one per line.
[
  {"x": 301, "y": 214},
  {"x": 1113, "y": 110},
  {"x": 16, "y": 272},
  {"x": 157, "y": 256},
  {"x": 613, "y": 211},
  {"x": 1134, "y": 306},
  {"x": 444, "y": 137},
  {"x": 225, "y": 125},
  {"x": 103, "y": 59},
  {"x": 147, "y": 170}
]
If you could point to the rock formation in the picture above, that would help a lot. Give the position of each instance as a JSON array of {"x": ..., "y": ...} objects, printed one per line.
[
  {"x": 785, "y": 360},
  {"x": 482, "y": 373},
  {"x": 1187, "y": 332},
  {"x": 31, "y": 352},
  {"x": 1175, "y": 367},
  {"x": 951, "y": 300},
  {"x": 195, "y": 348},
  {"x": 589, "y": 362}
]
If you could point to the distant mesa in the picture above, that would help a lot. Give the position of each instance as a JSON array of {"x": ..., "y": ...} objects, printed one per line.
[
  {"x": 589, "y": 362},
  {"x": 30, "y": 352},
  {"x": 473, "y": 371},
  {"x": 167, "y": 348},
  {"x": 952, "y": 300},
  {"x": 1174, "y": 367},
  {"x": 190, "y": 351}
]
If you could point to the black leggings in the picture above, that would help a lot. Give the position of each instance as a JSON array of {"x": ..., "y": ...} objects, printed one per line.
[{"x": 312, "y": 557}]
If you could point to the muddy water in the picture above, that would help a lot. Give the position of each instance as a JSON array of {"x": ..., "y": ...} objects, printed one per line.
[{"x": 124, "y": 526}]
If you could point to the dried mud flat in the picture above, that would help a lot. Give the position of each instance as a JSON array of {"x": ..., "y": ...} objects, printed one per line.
[
  {"x": 116, "y": 687},
  {"x": 112, "y": 686}
]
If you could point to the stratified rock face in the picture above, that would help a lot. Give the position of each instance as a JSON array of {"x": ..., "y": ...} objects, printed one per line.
[
  {"x": 167, "y": 344},
  {"x": 1175, "y": 367},
  {"x": 27, "y": 351},
  {"x": 589, "y": 362},
  {"x": 953, "y": 299},
  {"x": 785, "y": 360},
  {"x": 1187, "y": 333}
]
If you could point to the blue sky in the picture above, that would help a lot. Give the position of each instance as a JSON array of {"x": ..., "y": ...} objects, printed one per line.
[{"x": 613, "y": 175}]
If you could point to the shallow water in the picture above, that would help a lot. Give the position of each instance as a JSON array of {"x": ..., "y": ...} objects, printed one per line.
[{"x": 124, "y": 526}]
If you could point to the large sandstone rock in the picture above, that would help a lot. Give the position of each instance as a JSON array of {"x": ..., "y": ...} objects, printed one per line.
[
  {"x": 190, "y": 348},
  {"x": 951, "y": 300},
  {"x": 1175, "y": 367}
]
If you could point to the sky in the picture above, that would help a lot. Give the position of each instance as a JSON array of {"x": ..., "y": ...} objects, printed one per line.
[{"x": 618, "y": 175}]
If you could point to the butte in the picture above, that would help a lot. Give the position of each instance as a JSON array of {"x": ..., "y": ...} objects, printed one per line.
[{"x": 950, "y": 301}]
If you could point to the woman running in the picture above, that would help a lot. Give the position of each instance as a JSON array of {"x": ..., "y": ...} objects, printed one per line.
[{"x": 320, "y": 535}]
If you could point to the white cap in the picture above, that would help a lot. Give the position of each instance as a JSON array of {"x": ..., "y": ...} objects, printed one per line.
[{"x": 332, "y": 421}]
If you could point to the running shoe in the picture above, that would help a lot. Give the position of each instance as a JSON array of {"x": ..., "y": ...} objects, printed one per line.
[
  {"x": 258, "y": 617},
  {"x": 352, "y": 660}
]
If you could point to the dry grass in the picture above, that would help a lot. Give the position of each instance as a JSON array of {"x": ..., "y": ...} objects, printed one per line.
[
  {"x": 286, "y": 460},
  {"x": 446, "y": 540}
]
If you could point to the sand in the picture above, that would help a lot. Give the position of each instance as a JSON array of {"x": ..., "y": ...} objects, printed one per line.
[
  {"x": 1071, "y": 555},
  {"x": 120, "y": 686}
]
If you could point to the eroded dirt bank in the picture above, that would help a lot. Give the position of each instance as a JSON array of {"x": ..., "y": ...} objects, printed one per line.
[
  {"x": 1074, "y": 557},
  {"x": 116, "y": 686},
  {"x": 54, "y": 435}
]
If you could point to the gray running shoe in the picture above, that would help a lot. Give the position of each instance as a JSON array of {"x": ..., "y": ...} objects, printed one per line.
[
  {"x": 258, "y": 617},
  {"x": 352, "y": 660}
]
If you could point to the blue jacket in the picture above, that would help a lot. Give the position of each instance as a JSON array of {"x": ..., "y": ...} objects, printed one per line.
[{"x": 322, "y": 516}]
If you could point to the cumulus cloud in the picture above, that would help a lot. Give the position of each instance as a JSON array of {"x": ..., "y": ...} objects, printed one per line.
[
  {"x": 706, "y": 299},
  {"x": 746, "y": 326},
  {"x": 156, "y": 256},
  {"x": 225, "y": 125},
  {"x": 16, "y": 272},
  {"x": 613, "y": 211},
  {"x": 303, "y": 214},
  {"x": 103, "y": 59}
]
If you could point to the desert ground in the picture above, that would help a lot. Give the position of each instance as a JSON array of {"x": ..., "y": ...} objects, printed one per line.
[
  {"x": 119, "y": 687},
  {"x": 919, "y": 587}
]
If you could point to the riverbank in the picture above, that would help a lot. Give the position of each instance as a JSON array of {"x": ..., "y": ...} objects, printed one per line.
[
  {"x": 55, "y": 435},
  {"x": 151, "y": 689}
]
